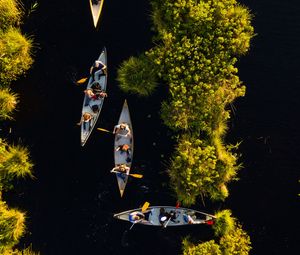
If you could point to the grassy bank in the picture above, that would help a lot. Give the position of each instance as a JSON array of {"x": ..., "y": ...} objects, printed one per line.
[{"x": 15, "y": 60}]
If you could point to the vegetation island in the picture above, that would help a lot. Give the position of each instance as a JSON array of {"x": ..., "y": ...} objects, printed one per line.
[{"x": 196, "y": 48}]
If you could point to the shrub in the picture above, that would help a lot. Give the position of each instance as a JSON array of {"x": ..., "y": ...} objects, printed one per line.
[
  {"x": 137, "y": 75},
  {"x": 8, "y": 102},
  {"x": 16, "y": 58}
]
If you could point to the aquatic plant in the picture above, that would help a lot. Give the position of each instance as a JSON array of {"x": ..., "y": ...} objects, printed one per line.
[
  {"x": 11, "y": 226},
  {"x": 205, "y": 248},
  {"x": 232, "y": 239},
  {"x": 236, "y": 241},
  {"x": 224, "y": 223},
  {"x": 26, "y": 251},
  {"x": 10, "y": 14},
  {"x": 8, "y": 102},
  {"x": 137, "y": 75},
  {"x": 14, "y": 162},
  {"x": 15, "y": 58}
]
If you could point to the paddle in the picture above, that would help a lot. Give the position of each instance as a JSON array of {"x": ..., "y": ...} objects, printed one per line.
[
  {"x": 144, "y": 208},
  {"x": 81, "y": 81},
  {"x": 104, "y": 130},
  {"x": 166, "y": 224},
  {"x": 136, "y": 175}
]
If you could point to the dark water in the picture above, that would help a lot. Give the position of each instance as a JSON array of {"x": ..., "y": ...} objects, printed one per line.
[{"x": 71, "y": 201}]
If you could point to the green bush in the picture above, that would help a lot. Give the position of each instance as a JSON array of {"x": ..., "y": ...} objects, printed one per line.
[
  {"x": 224, "y": 223},
  {"x": 137, "y": 75},
  {"x": 11, "y": 226},
  {"x": 205, "y": 248},
  {"x": 10, "y": 14},
  {"x": 14, "y": 162},
  {"x": 236, "y": 241},
  {"x": 15, "y": 57},
  {"x": 8, "y": 102}
]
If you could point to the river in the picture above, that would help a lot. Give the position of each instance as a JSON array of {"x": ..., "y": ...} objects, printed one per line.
[{"x": 71, "y": 201}]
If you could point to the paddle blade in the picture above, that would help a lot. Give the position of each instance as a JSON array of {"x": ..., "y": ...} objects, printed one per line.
[
  {"x": 145, "y": 206},
  {"x": 83, "y": 80},
  {"x": 104, "y": 130},
  {"x": 136, "y": 175}
]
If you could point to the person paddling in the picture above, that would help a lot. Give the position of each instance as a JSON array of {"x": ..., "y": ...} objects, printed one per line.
[
  {"x": 97, "y": 66},
  {"x": 121, "y": 169}
]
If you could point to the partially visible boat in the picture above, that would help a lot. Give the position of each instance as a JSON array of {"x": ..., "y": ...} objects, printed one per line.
[
  {"x": 96, "y": 8},
  {"x": 90, "y": 104},
  {"x": 154, "y": 214},
  {"x": 121, "y": 158}
]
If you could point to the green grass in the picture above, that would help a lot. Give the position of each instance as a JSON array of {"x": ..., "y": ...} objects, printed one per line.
[
  {"x": 16, "y": 57},
  {"x": 137, "y": 75},
  {"x": 8, "y": 102},
  {"x": 12, "y": 226},
  {"x": 10, "y": 13}
]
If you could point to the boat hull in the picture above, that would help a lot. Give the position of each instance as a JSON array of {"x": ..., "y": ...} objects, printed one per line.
[
  {"x": 119, "y": 157},
  {"x": 96, "y": 11},
  {"x": 183, "y": 216},
  {"x": 89, "y": 103}
]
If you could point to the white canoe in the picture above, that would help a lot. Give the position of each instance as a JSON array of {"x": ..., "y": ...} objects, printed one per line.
[
  {"x": 182, "y": 216},
  {"x": 122, "y": 158},
  {"x": 89, "y": 103},
  {"x": 96, "y": 9}
]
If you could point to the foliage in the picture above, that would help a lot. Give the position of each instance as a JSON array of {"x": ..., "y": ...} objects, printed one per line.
[
  {"x": 236, "y": 242},
  {"x": 11, "y": 226},
  {"x": 224, "y": 223},
  {"x": 14, "y": 162},
  {"x": 15, "y": 54},
  {"x": 27, "y": 251},
  {"x": 137, "y": 75},
  {"x": 198, "y": 43},
  {"x": 206, "y": 248},
  {"x": 232, "y": 239},
  {"x": 10, "y": 14},
  {"x": 8, "y": 102}
]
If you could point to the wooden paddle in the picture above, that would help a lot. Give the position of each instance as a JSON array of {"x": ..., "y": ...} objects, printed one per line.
[
  {"x": 81, "y": 81},
  {"x": 104, "y": 130},
  {"x": 145, "y": 206},
  {"x": 136, "y": 175}
]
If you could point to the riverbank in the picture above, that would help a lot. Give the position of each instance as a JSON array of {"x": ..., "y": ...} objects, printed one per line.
[{"x": 15, "y": 60}]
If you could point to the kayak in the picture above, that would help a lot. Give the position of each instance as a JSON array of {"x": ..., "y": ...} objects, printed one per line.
[
  {"x": 119, "y": 156},
  {"x": 96, "y": 7},
  {"x": 160, "y": 216},
  {"x": 89, "y": 105}
]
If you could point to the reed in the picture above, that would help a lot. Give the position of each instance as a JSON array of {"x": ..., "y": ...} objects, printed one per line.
[
  {"x": 10, "y": 14},
  {"x": 16, "y": 57},
  {"x": 8, "y": 102},
  {"x": 137, "y": 75},
  {"x": 12, "y": 226}
]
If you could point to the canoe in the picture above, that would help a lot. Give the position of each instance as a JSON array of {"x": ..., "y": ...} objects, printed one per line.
[
  {"x": 119, "y": 157},
  {"x": 153, "y": 214},
  {"x": 88, "y": 103},
  {"x": 96, "y": 8}
]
